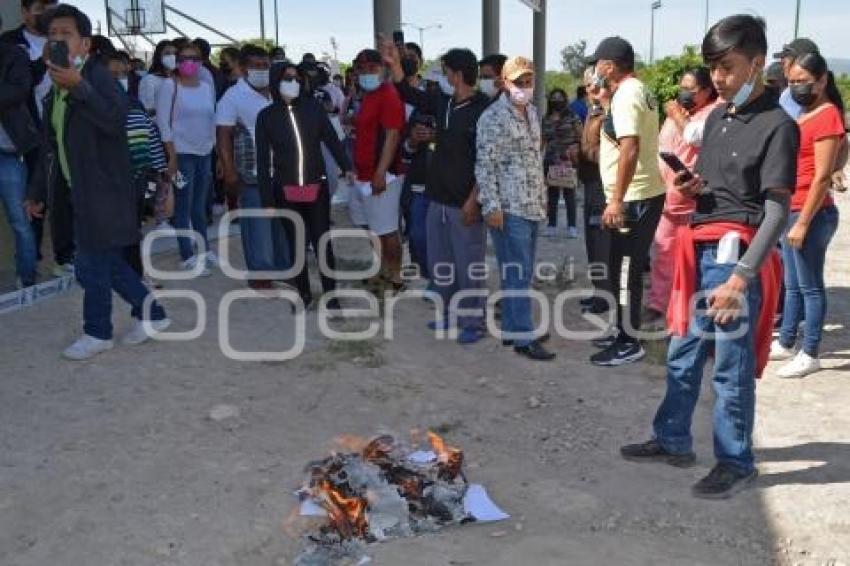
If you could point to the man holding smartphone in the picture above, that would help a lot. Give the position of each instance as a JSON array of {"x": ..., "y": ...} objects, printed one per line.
[
  {"x": 86, "y": 158},
  {"x": 744, "y": 177}
]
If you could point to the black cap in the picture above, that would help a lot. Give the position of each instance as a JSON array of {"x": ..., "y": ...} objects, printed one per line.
[
  {"x": 613, "y": 49},
  {"x": 799, "y": 46}
]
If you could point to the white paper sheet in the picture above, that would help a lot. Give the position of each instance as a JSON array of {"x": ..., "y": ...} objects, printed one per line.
[
  {"x": 310, "y": 508},
  {"x": 422, "y": 457},
  {"x": 477, "y": 503}
]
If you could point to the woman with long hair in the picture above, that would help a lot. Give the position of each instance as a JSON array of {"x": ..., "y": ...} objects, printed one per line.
[
  {"x": 291, "y": 169},
  {"x": 680, "y": 135},
  {"x": 814, "y": 217},
  {"x": 162, "y": 68},
  {"x": 561, "y": 144},
  {"x": 185, "y": 114}
]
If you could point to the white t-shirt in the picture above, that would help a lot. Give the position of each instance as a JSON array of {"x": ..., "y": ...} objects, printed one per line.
[
  {"x": 241, "y": 104},
  {"x": 148, "y": 89},
  {"x": 193, "y": 128}
]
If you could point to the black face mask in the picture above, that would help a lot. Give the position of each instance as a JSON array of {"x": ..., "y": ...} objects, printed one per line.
[
  {"x": 686, "y": 100},
  {"x": 804, "y": 94},
  {"x": 409, "y": 67},
  {"x": 558, "y": 105},
  {"x": 773, "y": 92}
]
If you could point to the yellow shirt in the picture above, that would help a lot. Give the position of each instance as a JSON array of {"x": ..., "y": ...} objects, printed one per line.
[{"x": 634, "y": 113}]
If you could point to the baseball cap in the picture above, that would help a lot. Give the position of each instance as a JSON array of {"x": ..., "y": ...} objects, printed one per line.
[
  {"x": 799, "y": 46},
  {"x": 613, "y": 49},
  {"x": 515, "y": 67}
]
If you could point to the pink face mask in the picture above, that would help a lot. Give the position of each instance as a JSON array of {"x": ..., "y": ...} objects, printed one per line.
[{"x": 189, "y": 68}]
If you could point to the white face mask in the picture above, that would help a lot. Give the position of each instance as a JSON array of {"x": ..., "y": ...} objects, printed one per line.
[
  {"x": 169, "y": 62},
  {"x": 258, "y": 78},
  {"x": 289, "y": 89},
  {"x": 447, "y": 89},
  {"x": 522, "y": 96},
  {"x": 488, "y": 87},
  {"x": 125, "y": 83}
]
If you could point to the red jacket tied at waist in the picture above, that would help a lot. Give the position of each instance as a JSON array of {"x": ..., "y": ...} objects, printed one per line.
[{"x": 685, "y": 282}]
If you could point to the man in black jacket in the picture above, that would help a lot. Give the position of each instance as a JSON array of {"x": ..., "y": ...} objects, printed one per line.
[
  {"x": 87, "y": 158},
  {"x": 18, "y": 136},
  {"x": 456, "y": 239}
]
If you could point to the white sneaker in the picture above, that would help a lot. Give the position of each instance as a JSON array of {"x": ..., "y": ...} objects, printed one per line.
[
  {"x": 550, "y": 232},
  {"x": 778, "y": 352},
  {"x": 572, "y": 232},
  {"x": 139, "y": 334},
  {"x": 191, "y": 263},
  {"x": 211, "y": 259},
  {"x": 801, "y": 366},
  {"x": 86, "y": 347}
]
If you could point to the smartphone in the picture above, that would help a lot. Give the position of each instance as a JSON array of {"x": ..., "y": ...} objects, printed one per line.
[
  {"x": 676, "y": 165},
  {"x": 398, "y": 38},
  {"x": 57, "y": 53}
]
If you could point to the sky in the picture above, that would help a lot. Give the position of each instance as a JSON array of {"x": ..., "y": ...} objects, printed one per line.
[{"x": 308, "y": 25}]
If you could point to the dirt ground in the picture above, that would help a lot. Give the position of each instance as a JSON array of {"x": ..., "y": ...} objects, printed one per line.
[{"x": 118, "y": 461}]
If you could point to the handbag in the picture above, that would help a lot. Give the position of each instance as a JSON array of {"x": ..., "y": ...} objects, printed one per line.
[
  {"x": 302, "y": 193},
  {"x": 562, "y": 174}
]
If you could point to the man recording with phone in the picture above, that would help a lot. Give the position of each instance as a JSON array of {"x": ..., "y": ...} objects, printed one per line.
[{"x": 85, "y": 173}]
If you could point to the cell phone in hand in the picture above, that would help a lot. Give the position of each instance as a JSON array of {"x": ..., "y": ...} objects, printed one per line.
[
  {"x": 676, "y": 165},
  {"x": 57, "y": 53},
  {"x": 398, "y": 39}
]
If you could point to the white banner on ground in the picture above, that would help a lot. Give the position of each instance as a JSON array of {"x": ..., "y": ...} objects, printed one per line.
[{"x": 16, "y": 300}]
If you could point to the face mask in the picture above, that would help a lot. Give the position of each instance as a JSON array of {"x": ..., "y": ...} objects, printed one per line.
[
  {"x": 125, "y": 84},
  {"x": 743, "y": 95},
  {"x": 686, "y": 100},
  {"x": 410, "y": 67},
  {"x": 79, "y": 61},
  {"x": 447, "y": 89},
  {"x": 488, "y": 87},
  {"x": 169, "y": 62},
  {"x": 804, "y": 94},
  {"x": 522, "y": 96},
  {"x": 258, "y": 78},
  {"x": 189, "y": 68},
  {"x": 290, "y": 90},
  {"x": 558, "y": 104},
  {"x": 369, "y": 82}
]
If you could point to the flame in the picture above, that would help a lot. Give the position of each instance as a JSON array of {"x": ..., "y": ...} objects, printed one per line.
[
  {"x": 347, "y": 514},
  {"x": 449, "y": 457}
]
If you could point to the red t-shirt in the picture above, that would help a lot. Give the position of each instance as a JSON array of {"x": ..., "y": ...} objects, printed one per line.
[
  {"x": 825, "y": 124},
  {"x": 380, "y": 110}
]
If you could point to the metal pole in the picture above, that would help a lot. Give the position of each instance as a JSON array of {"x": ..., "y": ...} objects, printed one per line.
[
  {"x": 198, "y": 22},
  {"x": 652, "y": 36},
  {"x": 540, "y": 57},
  {"x": 277, "y": 26},
  {"x": 489, "y": 27},
  {"x": 797, "y": 21},
  {"x": 262, "y": 22},
  {"x": 706, "y": 16}
]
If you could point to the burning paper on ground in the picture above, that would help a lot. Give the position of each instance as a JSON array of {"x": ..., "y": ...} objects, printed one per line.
[{"x": 387, "y": 490}]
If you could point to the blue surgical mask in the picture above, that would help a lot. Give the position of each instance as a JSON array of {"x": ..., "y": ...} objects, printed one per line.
[
  {"x": 369, "y": 82},
  {"x": 743, "y": 94}
]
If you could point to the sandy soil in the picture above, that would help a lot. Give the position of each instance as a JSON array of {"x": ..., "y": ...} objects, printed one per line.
[{"x": 117, "y": 461}]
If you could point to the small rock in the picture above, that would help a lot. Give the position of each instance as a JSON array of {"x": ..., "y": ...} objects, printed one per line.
[
  {"x": 518, "y": 526},
  {"x": 498, "y": 534},
  {"x": 482, "y": 381},
  {"x": 223, "y": 412},
  {"x": 534, "y": 403}
]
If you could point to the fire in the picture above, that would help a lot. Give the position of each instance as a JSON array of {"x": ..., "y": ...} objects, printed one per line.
[
  {"x": 449, "y": 457},
  {"x": 347, "y": 514}
]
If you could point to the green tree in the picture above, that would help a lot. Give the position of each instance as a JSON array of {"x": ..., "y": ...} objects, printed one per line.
[
  {"x": 573, "y": 58},
  {"x": 557, "y": 79},
  {"x": 662, "y": 78}
]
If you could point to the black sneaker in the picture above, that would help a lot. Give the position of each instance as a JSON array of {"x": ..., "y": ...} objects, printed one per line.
[
  {"x": 605, "y": 343},
  {"x": 587, "y": 301},
  {"x": 722, "y": 482},
  {"x": 534, "y": 351},
  {"x": 620, "y": 353},
  {"x": 652, "y": 451},
  {"x": 543, "y": 339}
]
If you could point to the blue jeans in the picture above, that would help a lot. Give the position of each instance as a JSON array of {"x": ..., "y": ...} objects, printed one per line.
[
  {"x": 99, "y": 274},
  {"x": 13, "y": 187},
  {"x": 515, "y": 246},
  {"x": 263, "y": 239},
  {"x": 805, "y": 292},
  {"x": 734, "y": 373},
  {"x": 190, "y": 202},
  {"x": 419, "y": 231}
]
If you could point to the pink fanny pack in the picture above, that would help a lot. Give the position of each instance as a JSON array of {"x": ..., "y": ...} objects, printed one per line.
[{"x": 302, "y": 193}]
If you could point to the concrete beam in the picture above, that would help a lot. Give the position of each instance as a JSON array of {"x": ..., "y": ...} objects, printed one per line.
[
  {"x": 540, "y": 57},
  {"x": 489, "y": 27},
  {"x": 387, "y": 15}
]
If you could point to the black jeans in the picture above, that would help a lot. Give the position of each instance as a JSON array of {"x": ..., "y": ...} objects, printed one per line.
[
  {"x": 62, "y": 223},
  {"x": 569, "y": 198},
  {"x": 317, "y": 221},
  {"x": 597, "y": 240},
  {"x": 642, "y": 218}
]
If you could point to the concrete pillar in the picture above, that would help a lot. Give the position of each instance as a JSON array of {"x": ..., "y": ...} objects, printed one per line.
[
  {"x": 489, "y": 27},
  {"x": 387, "y": 17},
  {"x": 540, "y": 57},
  {"x": 11, "y": 12}
]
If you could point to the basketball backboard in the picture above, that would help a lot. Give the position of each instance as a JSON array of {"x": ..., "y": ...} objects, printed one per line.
[{"x": 134, "y": 17}]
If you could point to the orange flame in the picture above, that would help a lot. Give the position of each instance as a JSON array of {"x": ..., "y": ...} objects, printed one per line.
[{"x": 347, "y": 514}]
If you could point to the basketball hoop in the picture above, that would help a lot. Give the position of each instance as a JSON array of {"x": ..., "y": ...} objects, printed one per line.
[{"x": 135, "y": 17}]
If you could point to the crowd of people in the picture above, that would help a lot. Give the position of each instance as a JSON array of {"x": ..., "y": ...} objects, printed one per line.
[{"x": 729, "y": 197}]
